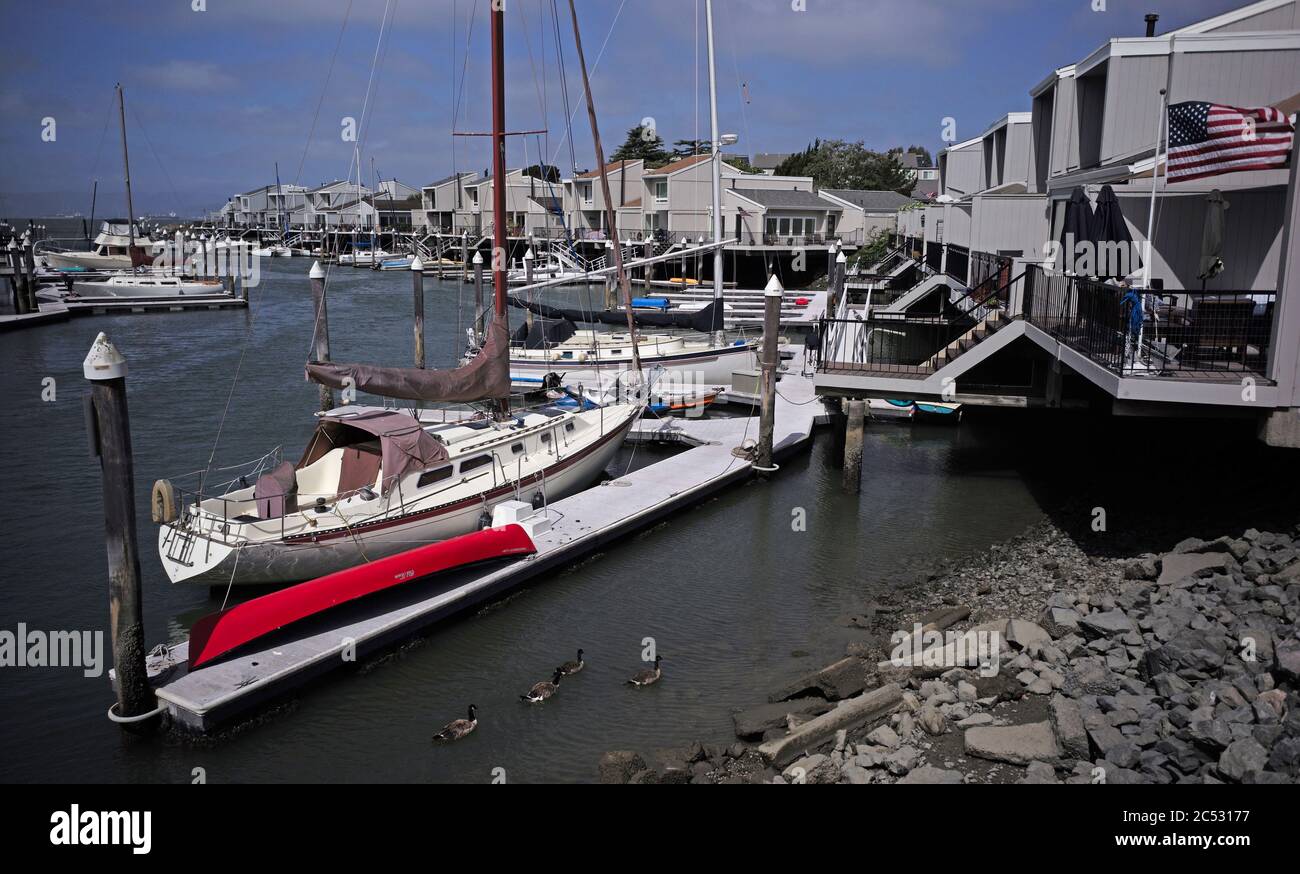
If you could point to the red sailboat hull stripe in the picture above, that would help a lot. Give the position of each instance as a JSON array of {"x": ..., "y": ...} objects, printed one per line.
[{"x": 219, "y": 633}]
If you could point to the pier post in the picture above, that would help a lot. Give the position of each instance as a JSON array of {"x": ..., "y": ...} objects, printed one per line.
[
  {"x": 528, "y": 280},
  {"x": 321, "y": 330},
  {"x": 853, "y": 436},
  {"x": 771, "y": 359},
  {"x": 464, "y": 255},
  {"x": 611, "y": 297},
  {"x": 15, "y": 280},
  {"x": 417, "y": 275},
  {"x": 841, "y": 277},
  {"x": 478, "y": 297},
  {"x": 29, "y": 274},
  {"x": 646, "y": 271},
  {"x": 437, "y": 250},
  {"x": 105, "y": 369}
]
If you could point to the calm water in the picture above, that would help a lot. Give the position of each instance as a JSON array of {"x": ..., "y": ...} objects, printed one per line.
[{"x": 728, "y": 589}]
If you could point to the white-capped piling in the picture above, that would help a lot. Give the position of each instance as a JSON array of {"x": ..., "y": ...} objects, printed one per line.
[
  {"x": 417, "y": 276},
  {"x": 321, "y": 329},
  {"x": 770, "y": 361},
  {"x": 105, "y": 369}
]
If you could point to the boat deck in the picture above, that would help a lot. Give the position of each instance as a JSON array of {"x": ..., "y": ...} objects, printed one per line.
[
  {"x": 201, "y": 700},
  {"x": 745, "y": 307}
]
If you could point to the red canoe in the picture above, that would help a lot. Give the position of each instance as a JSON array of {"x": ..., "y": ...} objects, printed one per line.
[{"x": 218, "y": 633}]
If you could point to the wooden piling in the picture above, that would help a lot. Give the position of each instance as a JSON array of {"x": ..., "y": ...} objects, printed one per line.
[
  {"x": 528, "y": 280},
  {"x": 321, "y": 329},
  {"x": 771, "y": 359},
  {"x": 853, "y": 436},
  {"x": 29, "y": 275},
  {"x": 417, "y": 276},
  {"x": 479, "y": 327},
  {"x": 15, "y": 277},
  {"x": 105, "y": 369}
]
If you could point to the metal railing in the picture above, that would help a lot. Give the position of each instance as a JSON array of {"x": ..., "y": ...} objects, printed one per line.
[{"x": 1193, "y": 334}]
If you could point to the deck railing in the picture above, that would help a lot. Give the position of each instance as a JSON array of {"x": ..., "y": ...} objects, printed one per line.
[{"x": 1193, "y": 334}]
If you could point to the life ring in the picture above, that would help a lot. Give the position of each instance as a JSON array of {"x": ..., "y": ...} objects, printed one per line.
[{"x": 162, "y": 502}]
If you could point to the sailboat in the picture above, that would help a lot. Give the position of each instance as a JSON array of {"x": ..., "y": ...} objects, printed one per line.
[
  {"x": 373, "y": 481},
  {"x": 584, "y": 356}
]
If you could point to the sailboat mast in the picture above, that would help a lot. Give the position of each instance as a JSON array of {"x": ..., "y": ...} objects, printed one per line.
[
  {"x": 604, "y": 188},
  {"x": 500, "y": 241},
  {"x": 717, "y": 167},
  {"x": 126, "y": 164}
]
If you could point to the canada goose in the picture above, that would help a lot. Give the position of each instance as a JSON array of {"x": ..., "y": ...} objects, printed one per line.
[
  {"x": 543, "y": 690},
  {"x": 458, "y": 728},
  {"x": 572, "y": 667},
  {"x": 649, "y": 675}
]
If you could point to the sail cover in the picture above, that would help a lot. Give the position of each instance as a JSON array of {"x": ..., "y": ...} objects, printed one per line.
[
  {"x": 404, "y": 446},
  {"x": 705, "y": 320},
  {"x": 487, "y": 376}
]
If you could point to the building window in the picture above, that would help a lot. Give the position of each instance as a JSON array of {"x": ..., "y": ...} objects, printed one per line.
[{"x": 661, "y": 192}]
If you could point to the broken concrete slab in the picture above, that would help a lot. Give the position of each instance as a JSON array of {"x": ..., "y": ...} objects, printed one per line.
[
  {"x": 1015, "y": 744},
  {"x": 848, "y": 714},
  {"x": 1175, "y": 567},
  {"x": 754, "y": 721},
  {"x": 844, "y": 679}
]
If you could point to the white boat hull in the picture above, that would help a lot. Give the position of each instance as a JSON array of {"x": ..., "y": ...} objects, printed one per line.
[
  {"x": 214, "y": 563},
  {"x": 88, "y": 260},
  {"x": 709, "y": 368}
]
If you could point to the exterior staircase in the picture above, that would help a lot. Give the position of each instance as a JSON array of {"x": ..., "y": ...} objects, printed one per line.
[{"x": 990, "y": 324}]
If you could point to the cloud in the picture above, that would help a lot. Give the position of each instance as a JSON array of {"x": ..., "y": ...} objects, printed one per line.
[{"x": 180, "y": 75}]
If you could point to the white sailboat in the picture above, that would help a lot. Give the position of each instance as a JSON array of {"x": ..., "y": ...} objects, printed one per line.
[
  {"x": 373, "y": 482},
  {"x": 110, "y": 250}
]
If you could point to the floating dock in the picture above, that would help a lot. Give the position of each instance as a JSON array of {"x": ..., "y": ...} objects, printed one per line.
[
  {"x": 203, "y": 699},
  {"x": 98, "y": 306}
]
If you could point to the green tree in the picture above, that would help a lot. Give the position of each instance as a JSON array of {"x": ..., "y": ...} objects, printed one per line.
[
  {"x": 643, "y": 144},
  {"x": 547, "y": 172},
  {"x": 841, "y": 164},
  {"x": 688, "y": 148}
]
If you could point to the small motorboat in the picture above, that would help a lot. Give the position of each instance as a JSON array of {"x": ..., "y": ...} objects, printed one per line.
[
  {"x": 403, "y": 263},
  {"x": 891, "y": 408},
  {"x": 938, "y": 413}
]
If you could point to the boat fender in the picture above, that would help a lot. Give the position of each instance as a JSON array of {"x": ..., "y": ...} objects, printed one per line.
[
  {"x": 484, "y": 520},
  {"x": 162, "y": 502},
  {"x": 539, "y": 500}
]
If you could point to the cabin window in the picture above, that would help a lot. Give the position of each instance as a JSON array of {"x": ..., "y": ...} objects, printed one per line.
[
  {"x": 568, "y": 426},
  {"x": 437, "y": 475},
  {"x": 517, "y": 449},
  {"x": 475, "y": 463},
  {"x": 546, "y": 438}
]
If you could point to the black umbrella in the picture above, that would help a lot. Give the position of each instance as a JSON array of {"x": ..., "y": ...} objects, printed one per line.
[
  {"x": 1216, "y": 224},
  {"x": 1077, "y": 226},
  {"x": 1109, "y": 234}
]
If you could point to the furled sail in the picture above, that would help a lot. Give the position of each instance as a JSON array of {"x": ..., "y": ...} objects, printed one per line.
[
  {"x": 706, "y": 320},
  {"x": 487, "y": 376}
]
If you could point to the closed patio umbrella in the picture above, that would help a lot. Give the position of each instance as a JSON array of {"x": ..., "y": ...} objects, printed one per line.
[
  {"x": 1216, "y": 223},
  {"x": 1110, "y": 235},
  {"x": 1077, "y": 226}
]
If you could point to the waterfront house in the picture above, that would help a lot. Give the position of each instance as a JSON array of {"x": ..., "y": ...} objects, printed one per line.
[
  {"x": 865, "y": 214},
  {"x": 441, "y": 200},
  {"x": 767, "y": 162},
  {"x": 584, "y": 203},
  {"x": 1022, "y": 329},
  {"x": 925, "y": 178}
]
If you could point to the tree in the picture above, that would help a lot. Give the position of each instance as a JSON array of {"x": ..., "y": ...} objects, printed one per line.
[
  {"x": 841, "y": 164},
  {"x": 643, "y": 144},
  {"x": 689, "y": 148}
]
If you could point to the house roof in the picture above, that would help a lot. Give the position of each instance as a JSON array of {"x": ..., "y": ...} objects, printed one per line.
[
  {"x": 404, "y": 203},
  {"x": 785, "y": 198},
  {"x": 612, "y": 167},
  {"x": 548, "y": 202},
  {"x": 925, "y": 189},
  {"x": 913, "y": 161},
  {"x": 870, "y": 200},
  {"x": 452, "y": 178},
  {"x": 768, "y": 160},
  {"x": 678, "y": 165}
]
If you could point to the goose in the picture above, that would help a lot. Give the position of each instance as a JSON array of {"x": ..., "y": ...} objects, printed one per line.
[
  {"x": 648, "y": 676},
  {"x": 543, "y": 690},
  {"x": 569, "y": 668},
  {"x": 458, "y": 728}
]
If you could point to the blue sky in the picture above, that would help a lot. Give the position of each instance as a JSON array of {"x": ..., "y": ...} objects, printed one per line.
[{"x": 215, "y": 97}]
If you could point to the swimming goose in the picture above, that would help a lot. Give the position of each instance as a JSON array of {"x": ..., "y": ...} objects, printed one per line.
[
  {"x": 572, "y": 667},
  {"x": 649, "y": 675},
  {"x": 458, "y": 728},
  {"x": 543, "y": 690}
]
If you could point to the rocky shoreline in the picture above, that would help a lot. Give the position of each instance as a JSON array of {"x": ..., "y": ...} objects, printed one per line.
[{"x": 1182, "y": 667}]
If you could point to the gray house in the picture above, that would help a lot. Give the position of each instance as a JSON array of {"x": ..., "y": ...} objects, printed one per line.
[{"x": 1026, "y": 329}]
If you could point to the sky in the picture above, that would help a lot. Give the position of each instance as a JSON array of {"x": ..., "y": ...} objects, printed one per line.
[{"x": 220, "y": 91}]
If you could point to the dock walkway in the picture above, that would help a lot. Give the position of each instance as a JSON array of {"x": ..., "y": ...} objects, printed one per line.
[{"x": 584, "y": 522}]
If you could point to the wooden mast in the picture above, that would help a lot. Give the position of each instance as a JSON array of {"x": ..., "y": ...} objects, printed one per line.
[
  {"x": 604, "y": 187},
  {"x": 126, "y": 164}
]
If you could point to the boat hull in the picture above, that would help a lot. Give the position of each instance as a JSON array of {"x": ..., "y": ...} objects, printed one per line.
[
  {"x": 710, "y": 368},
  {"x": 214, "y": 563},
  {"x": 108, "y": 289},
  {"x": 88, "y": 260}
]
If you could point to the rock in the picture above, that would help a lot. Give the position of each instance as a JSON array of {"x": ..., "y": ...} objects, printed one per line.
[
  {"x": 1212, "y": 734},
  {"x": 1039, "y": 773},
  {"x": 1176, "y": 567},
  {"x": 1067, "y": 721},
  {"x": 755, "y": 721},
  {"x": 1059, "y": 621},
  {"x": 1000, "y": 687},
  {"x": 1242, "y": 757},
  {"x": 1287, "y": 653},
  {"x": 1106, "y": 624},
  {"x": 884, "y": 736},
  {"x": 856, "y": 776},
  {"x": 975, "y": 720},
  {"x": 866, "y": 708},
  {"x": 1023, "y": 634},
  {"x": 1090, "y": 676},
  {"x": 902, "y": 760},
  {"x": 844, "y": 679},
  {"x": 932, "y": 776},
  {"x": 816, "y": 768},
  {"x": 967, "y": 692},
  {"x": 618, "y": 766},
  {"x": 932, "y": 720},
  {"x": 1016, "y": 744}
]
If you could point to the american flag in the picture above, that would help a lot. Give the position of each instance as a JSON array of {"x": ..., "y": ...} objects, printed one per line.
[{"x": 1206, "y": 139}]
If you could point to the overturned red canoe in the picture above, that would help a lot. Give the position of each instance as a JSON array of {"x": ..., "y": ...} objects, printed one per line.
[{"x": 218, "y": 633}]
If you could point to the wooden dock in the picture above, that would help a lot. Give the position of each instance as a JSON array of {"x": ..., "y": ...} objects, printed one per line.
[
  {"x": 58, "y": 312},
  {"x": 203, "y": 699}
]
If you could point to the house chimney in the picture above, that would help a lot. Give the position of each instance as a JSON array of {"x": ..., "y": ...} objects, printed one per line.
[{"x": 1151, "y": 19}]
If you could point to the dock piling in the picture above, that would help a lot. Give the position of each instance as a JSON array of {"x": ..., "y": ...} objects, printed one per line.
[
  {"x": 853, "y": 435},
  {"x": 417, "y": 275},
  {"x": 771, "y": 359},
  {"x": 479, "y": 327},
  {"x": 105, "y": 369},
  {"x": 15, "y": 277},
  {"x": 528, "y": 280},
  {"x": 321, "y": 330}
]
